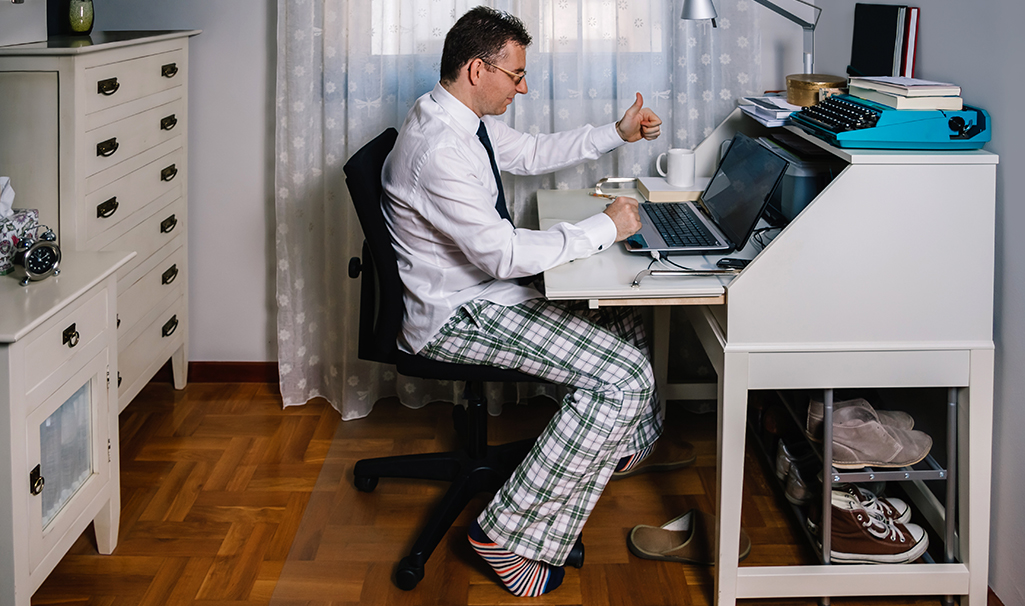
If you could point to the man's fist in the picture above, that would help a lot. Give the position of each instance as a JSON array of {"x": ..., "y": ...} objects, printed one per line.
[{"x": 624, "y": 213}]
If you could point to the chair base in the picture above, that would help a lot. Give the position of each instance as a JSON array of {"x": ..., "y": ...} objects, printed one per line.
[{"x": 477, "y": 468}]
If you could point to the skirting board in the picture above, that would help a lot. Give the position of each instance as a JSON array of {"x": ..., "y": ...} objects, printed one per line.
[{"x": 224, "y": 372}]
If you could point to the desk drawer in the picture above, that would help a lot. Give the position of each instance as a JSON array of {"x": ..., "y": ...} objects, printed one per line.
[
  {"x": 151, "y": 234},
  {"x": 106, "y": 207},
  {"x": 152, "y": 347},
  {"x": 116, "y": 83},
  {"x": 109, "y": 145},
  {"x": 82, "y": 323},
  {"x": 163, "y": 274}
]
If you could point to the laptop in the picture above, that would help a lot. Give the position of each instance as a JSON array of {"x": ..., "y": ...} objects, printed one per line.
[{"x": 724, "y": 216}]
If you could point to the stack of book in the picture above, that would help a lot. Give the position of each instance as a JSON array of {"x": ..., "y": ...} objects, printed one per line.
[
  {"x": 884, "y": 40},
  {"x": 907, "y": 93},
  {"x": 769, "y": 110}
]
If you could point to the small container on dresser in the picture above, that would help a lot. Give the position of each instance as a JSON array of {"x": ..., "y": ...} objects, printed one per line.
[
  {"x": 58, "y": 418},
  {"x": 111, "y": 152}
]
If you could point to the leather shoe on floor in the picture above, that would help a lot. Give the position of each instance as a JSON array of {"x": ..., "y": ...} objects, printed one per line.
[
  {"x": 688, "y": 539},
  {"x": 669, "y": 454}
]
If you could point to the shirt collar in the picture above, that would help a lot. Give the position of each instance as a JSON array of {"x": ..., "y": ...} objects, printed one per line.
[{"x": 461, "y": 115}]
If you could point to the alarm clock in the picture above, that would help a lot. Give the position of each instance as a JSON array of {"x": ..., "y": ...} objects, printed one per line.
[{"x": 40, "y": 256}]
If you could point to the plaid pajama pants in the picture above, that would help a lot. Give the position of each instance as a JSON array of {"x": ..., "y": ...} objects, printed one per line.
[{"x": 612, "y": 411}]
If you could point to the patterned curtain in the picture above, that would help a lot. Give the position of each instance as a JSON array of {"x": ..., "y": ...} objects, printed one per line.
[{"x": 348, "y": 69}]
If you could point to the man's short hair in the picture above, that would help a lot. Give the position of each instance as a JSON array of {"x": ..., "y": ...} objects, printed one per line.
[{"x": 482, "y": 32}]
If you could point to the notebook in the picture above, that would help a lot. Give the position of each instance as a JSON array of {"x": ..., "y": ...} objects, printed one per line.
[{"x": 725, "y": 214}]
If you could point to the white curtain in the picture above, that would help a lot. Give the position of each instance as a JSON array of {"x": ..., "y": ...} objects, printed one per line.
[{"x": 348, "y": 69}]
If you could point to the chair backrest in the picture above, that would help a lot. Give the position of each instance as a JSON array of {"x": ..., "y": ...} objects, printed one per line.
[{"x": 381, "y": 307}]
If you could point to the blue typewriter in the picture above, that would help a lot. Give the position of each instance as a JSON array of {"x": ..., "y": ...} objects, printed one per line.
[{"x": 846, "y": 121}]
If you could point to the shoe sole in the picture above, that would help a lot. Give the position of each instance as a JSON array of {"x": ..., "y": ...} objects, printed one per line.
[
  {"x": 863, "y": 464},
  {"x": 654, "y": 467},
  {"x": 839, "y": 557}
]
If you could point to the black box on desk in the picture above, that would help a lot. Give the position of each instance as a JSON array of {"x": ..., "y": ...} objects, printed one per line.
[{"x": 810, "y": 171}]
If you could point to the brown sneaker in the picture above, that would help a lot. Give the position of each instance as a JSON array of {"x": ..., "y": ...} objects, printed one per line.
[
  {"x": 863, "y": 537},
  {"x": 813, "y": 428},
  {"x": 891, "y": 508}
]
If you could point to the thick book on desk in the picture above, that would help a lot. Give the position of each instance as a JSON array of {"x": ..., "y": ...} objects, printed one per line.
[
  {"x": 908, "y": 87},
  {"x": 877, "y": 44},
  {"x": 901, "y": 102},
  {"x": 656, "y": 189}
]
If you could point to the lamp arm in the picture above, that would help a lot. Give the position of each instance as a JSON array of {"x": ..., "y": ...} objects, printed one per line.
[{"x": 804, "y": 14}]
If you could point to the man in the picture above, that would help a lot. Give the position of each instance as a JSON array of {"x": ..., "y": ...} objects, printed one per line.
[{"x": 460, "y": 257}]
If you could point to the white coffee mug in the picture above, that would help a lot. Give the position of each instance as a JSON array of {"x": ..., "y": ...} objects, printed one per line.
[{"x": 679, "y": 167}]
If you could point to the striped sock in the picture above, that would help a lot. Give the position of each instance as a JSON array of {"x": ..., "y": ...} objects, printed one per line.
[
  {"x": 629, "y": 462},
  {"x": 522, "y": 577}
]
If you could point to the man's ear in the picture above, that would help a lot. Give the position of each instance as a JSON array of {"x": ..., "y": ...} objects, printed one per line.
[{"x": 474, "y": 68}]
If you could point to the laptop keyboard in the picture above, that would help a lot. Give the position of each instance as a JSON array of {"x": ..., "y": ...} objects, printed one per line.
[{"x": 678, "y": 225}]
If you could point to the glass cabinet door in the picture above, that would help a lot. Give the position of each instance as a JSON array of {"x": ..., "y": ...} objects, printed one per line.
[{"x": 65, "y": 444}]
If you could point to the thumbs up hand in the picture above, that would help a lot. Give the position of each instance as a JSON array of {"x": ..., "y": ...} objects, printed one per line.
[{"x": 639, "y": 122}]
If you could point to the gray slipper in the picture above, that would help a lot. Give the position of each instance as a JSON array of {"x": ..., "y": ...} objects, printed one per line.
[{"x": 689, "y": 539}]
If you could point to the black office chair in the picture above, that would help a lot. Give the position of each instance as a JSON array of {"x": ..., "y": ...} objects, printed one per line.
[{"x": 476, "y": 468}]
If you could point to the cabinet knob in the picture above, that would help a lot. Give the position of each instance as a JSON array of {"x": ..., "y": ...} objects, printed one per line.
[
  {"x": 106, "y": 209},
  {"x": 107, "y": 87},
  {"x": 168, "y": 224},
  {"x": 168, "y": 122},
  {"x": 36, "y": 481},
  {"x": 168, "y": 173},
  {"x": 71, "y": 336},
  {"x": 107, "y": 148},
  {"x": 169, "y": 275},
  {"x": 169, "y": 70},
  {"x": 168, "y": 329}
]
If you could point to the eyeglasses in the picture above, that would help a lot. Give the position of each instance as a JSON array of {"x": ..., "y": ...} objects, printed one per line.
[{"x": 516, "y": 77}]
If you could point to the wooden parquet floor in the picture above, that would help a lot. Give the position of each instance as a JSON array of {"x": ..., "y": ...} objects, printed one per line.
[{"x": 229, "y": 499}]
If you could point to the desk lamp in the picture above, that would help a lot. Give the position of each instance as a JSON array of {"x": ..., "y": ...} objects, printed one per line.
[{"x": 804, "y": 14}]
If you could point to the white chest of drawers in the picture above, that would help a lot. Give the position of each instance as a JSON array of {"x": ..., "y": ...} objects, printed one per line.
[
  {"x": 95, "y": 135},
  {"x": 58, "y": 418}
]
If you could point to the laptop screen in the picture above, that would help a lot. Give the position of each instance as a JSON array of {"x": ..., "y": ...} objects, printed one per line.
[{"x": 741, "y": 187}]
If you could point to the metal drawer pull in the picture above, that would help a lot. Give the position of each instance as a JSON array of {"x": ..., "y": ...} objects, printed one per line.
[
  {"x": 71, "y": 336},
  {"x": 107, "y": 148},
  {"x": 36, "y": 481},
  {"x": 168, "y": 224},
  {"x": 169, "y": 275},
  {"x": 168, "y": 123},
  {"x": 168, "y": 328},
  {"x": 108, "y": 87},
  {"x": 169, "y": 70},
  {"x": 118, "y": 321},
  {"x": 106, "y": 209},
  {"x": 119, "y": 378},
  {"x": 168, "y": 173}
]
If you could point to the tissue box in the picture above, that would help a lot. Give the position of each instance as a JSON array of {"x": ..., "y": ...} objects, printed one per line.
[
  {"x": 22, "y": 23},
  {"x": 12, "y": 230}
]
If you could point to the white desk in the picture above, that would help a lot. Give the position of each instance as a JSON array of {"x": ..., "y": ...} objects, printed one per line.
[{"x": 884, "y": 280}]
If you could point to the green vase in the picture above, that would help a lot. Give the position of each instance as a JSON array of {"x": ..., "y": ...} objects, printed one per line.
[{"x": 81, "y": 17}]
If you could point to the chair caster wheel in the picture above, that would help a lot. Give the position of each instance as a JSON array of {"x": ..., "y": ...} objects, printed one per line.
[
  {"x": 576, "y": 555},
  {"x": 365, "y": 483},
  {"x": 408, "y": 574}
]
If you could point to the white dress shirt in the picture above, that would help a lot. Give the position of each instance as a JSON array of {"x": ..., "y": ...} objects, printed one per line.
[{"x": 440, "y": 192}]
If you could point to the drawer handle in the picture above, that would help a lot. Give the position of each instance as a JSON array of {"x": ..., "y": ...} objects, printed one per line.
[
  {"x": 169, "y": 70},
  {"x": 118, "y": 321},
  {"x": 171, "y": 325},
  {"x": 107, "y": 148},
  {"x": 119, "y": 378},
  {"x": 169, "y": 275},
  {"x": 106, "y": 209},
  {"x": 168, "y": 173},
  {"x": 36, "y": 481},
  {"x": 168, "y": 224},
  {"x": 108, "y": 87},
  {"x": 168, "y": 123},
  {"x": 71, "y": 336}
]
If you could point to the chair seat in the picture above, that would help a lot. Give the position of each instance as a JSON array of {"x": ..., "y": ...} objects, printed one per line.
[{"x": 425, "y": 368}]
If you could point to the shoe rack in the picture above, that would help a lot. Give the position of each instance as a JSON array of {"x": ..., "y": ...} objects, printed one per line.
[{"x": 940, "y": 517}]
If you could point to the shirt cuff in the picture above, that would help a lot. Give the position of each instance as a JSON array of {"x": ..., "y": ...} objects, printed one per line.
[
  {"x": 600, "y": 230},
  {"x": 606, "y": 138}
]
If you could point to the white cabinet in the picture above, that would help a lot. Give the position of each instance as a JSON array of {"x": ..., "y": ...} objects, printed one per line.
[
  {"x": 58, "y": 418},
  {"x": 94, "y": 133}
]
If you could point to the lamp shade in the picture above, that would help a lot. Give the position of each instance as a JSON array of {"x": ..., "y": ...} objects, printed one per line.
[{"x": 698, "y": 9}]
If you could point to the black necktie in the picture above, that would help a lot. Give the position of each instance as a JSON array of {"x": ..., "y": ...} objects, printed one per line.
[{"x": 500, "y": 206}]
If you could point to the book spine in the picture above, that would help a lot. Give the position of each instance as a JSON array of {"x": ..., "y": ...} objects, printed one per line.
[
  {"x": 910, "y": 41},
  {"x": 898, "y": 43}
]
